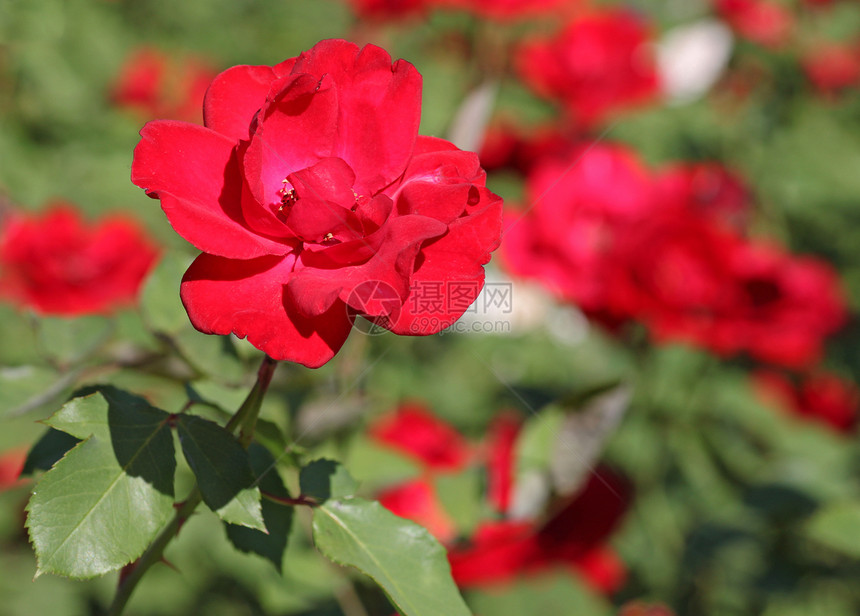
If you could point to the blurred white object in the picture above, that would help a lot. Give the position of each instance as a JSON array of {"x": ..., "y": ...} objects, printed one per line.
[
  {"x": 470, "y": 122},
  {"x": 505, "y": 307},
  {"x": 691, "y": 58}
]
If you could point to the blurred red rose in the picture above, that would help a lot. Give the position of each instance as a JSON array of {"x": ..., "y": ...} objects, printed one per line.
[
  {"x": 158, "y": 86},
  {"x": 707, "y": 189},
  {"x": 690, "y": 280},
  {"x": 641, "y": 608},
  {"x": 786, "y": 306},
  {"x": 387, "y": 9},
  {"x": 314, "y": 199},
  {"x": 417, "y": 501},
  {"x": 764, "y": 22},
  {"x": 821, "y": 397},
  {"x": 507, "y": 146},
  {"x": 508, "y": 9},
  {"x": 599, "y": 64},
  {"x": 501, "y": 445},
  {"x": 56, "y": 264},
  {"x": 577, "y": 207},
  {"x": 574, "y": 537},
  {"x": 832, "y": 67},
  {"x": 416, "y": 432},
  {"x": 670, "y": 271},
  {"x": 11, "y": 465}
]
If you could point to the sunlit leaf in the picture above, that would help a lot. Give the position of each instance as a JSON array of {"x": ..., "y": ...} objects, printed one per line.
[{"x": 399, "y": 555}]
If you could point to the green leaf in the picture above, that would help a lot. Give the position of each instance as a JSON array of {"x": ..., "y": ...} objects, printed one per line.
[
  {"x": 323, "y": 479},
  {"x": 244, "y": 509},
  {"x": 50, "y": 447},
  {"x": 277, "y": 517},
  {"x": 222, "y": 469},
  {"x": 100, "y": 506},
  {"x": 838, "y": 527},
  {"x": 138, "y": 432},
  {"x": 401, "y": 556}
]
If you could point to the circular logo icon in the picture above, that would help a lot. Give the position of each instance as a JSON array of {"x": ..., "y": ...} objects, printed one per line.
[{"x": 378, "y": 305}]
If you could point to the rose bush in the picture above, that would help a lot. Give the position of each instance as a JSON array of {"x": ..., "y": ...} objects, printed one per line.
[
  {"x": 314, "y": 200},
  {"x": 507, "y": 546}
]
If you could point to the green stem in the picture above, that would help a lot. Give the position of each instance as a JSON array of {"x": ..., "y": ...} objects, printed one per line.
[
  {"x": 154, "y": 553},
  {"x": 245, "y": 419},
  {"x": 246, "y": 416}
]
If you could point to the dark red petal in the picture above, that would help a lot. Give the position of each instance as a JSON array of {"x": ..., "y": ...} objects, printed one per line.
[
  {"x": 379, "y": 108},
  {"x": 450, "y": 273},
  {"x": 234, "y": 97},
  {"x": 246, "y": 298},
  {"x": 191, "y": 169}
]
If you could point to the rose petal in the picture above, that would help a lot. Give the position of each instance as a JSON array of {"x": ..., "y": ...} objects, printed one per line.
[
  {"x": 449, "y": 273},
  {"x": 398, "y": 242},
  {"x": 234, "y": 97},
  {"x": 379, "y": 108},
  {"x": 296, "y": 130},
  {"x": 439, "y": 183},
  {"x": 191, "y": 169},
  {"x": 246, "y": 298}
]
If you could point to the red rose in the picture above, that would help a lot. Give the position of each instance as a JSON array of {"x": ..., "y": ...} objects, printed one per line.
[
  {"x": 507, "y": 146},
  {"x": 11, "y": 465},
  {"x": 508, "y": 9},
  {"x": 786, "y": 306},
  {"x": 387, "y": 9},
  {"x": 821, "y": 397},
  {"x": 55, "y": 264},
  {"x": 762, "y": 21},
  {"x": 314, "y": 199},
  {"x": 496, "y": 553},
  {"x": 670, "y": 272},
  {"x": 160, "y": 87},
  {"x": 690, "y": 280},
  {"x": 574, "y": 537},
  {"x": 580, "y": 203},
  {"x": 502, "y": 439},
  {"x": 706, "y": 189},
  {"x": 417, "y": 501},
  {"x": 640, "y": 608},
  {"x": 832, "y": 67},
  {"x": 417, "y": 433},
  {"x": 597, "y": 65}
]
